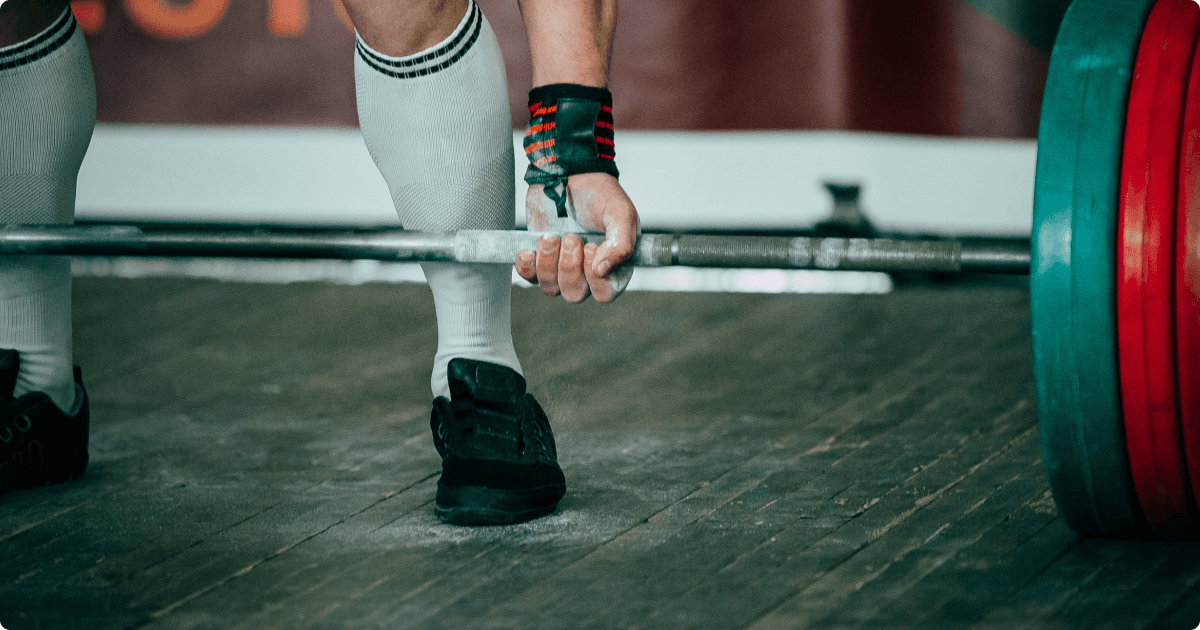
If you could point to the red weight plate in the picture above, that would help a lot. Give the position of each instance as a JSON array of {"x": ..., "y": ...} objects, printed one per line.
[
  {"x": 1187, "y": 283},
  {"x": 1146, "y": 264}
]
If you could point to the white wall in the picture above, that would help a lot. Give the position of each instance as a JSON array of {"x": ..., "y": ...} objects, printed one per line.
[{"x": 678, "y": 180}]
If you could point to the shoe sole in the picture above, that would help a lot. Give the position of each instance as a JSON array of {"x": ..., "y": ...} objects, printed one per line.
[{"x": 479, "y": 505}]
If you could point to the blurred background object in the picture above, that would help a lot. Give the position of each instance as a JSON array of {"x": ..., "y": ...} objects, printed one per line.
[
  {"x": 938, "y": 67},
  {"x": 729, "y": 114}
]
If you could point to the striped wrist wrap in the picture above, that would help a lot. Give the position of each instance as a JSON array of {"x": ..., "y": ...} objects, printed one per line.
[{"x": 570, "y": 132}]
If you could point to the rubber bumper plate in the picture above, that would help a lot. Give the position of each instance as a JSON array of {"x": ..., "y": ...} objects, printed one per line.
[
  {"x": 1072, "y": 284},
  {"x": 1187, "y": 281},
  {"x": 1146, "y": 264}
]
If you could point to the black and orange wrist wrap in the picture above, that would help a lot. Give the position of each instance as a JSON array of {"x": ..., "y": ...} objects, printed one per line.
[{"x": 570, "y": 132}]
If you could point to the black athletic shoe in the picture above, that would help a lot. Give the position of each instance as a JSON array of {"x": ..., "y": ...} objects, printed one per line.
[
  {"x": 499, "y": 464},
  {"x": 39, "y": 444}
]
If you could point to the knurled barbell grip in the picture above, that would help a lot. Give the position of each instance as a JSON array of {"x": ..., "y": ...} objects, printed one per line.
[{"x": 767, "y": 252}]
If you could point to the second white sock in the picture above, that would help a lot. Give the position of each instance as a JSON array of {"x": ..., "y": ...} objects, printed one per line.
[
  {"x": 47, "y": 113},
  {"x": 438, "y": 126}
]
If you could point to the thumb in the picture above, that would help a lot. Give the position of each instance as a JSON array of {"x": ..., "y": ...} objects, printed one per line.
[{"x": 620, "y": 238}]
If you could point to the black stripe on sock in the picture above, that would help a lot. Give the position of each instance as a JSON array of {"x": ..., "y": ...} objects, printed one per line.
[
  {"x": 384, "y": 66},
  {"x": 39, "y": 39},
  {"x": 42, "y": 52}
]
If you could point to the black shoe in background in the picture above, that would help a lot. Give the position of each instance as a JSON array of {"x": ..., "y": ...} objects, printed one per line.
[
  {"x": 39, "y": 444},
  {"x": 499, "y": 463}
]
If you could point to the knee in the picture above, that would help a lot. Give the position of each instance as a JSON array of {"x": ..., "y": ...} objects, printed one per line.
[
  {"x": 22, "y": 19},
  {"x": 404, "y": 27}
]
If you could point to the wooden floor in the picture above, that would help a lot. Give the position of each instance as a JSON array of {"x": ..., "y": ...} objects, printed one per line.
[{"x": 261, "y": 458}]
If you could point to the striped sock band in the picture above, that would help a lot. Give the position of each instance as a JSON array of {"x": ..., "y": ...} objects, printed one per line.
[
  {"x": 49, "y": 40},
  {"x": 440, "y": 57}
]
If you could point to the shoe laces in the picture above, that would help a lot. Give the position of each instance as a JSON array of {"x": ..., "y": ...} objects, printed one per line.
[
  {"x": 464, "y": 415},
  {"x": 467, "y": 408}
]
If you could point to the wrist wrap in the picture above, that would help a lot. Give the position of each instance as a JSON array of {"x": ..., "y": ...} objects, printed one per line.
[{"x": 570, "y": 132}]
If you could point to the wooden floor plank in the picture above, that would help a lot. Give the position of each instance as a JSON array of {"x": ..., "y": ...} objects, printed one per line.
[
  {"x": 1167, "y": 586},
  {"x": 1183, "y": 613},
  {"x": 198, "y": 520},
  {"x": 299, "y": 517},
  {"x": 722, "y": 538},
  {"x": 983, "y": 562},
  {"x": 830, "y": 568},
  {"x": 879, "y": 597},
  {"x": 1071, "y": 573},
  {"x": 1092, "y": 605},
  {"x": 261, "y": 458},
  {"x": 650, "y": 583},
  {"x": 707, "y": 458},
  {"x": 593, "y": 524}
]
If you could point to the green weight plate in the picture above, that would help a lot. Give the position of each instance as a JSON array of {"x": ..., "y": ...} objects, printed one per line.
[{"x": 1073, "y": 283}]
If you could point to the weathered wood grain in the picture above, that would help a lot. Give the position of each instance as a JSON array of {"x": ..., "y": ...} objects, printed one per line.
[{"x": 261, "y": 458}]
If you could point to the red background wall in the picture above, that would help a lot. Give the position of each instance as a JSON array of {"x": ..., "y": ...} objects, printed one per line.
[{"x": 919, "y": 66}]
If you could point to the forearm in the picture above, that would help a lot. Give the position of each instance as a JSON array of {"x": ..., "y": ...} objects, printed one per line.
[{"x": 570, "y": 41}]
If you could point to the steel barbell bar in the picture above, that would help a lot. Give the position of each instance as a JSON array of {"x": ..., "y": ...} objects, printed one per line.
[{"x": 501, "y": 246}]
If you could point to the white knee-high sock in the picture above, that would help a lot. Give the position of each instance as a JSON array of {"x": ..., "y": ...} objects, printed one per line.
[
  {"x": 47, "y": 113},
  {"x": 439, "y": 127}
]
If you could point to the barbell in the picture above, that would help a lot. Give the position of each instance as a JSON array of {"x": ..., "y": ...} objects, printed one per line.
[
  {"x": 501, "y": 247},
  {"x": 1114, "y": 263}
]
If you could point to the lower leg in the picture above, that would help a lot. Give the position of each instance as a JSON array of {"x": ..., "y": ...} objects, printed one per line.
[
  {"x": 47, "y": 112},
  {"x": 35, "y": 320},
  {"x": 473, "y": 304},
  {"x": 438, "y": 124}
]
